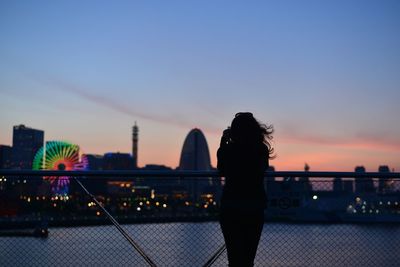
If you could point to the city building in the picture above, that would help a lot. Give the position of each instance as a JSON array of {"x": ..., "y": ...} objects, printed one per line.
[
  {"x": 94, "y": 162},
  {"x": 26, "y": 142},
  {"x": 5, "y": 157},
  {"x": 118, "y": 161},
  {"x": 362, "y": 184},
  {"x": 384, "y": 184}
]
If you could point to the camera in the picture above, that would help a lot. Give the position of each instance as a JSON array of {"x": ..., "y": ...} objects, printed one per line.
[
  {"x": 227, "y": 133},
  {"x": 226, "y": 136}
]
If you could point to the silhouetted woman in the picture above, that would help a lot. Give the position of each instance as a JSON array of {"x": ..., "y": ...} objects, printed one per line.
[{"x": 243, "y": 158}]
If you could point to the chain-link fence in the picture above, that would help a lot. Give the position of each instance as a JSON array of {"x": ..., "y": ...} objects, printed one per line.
[{"x": 173, "y": 221}]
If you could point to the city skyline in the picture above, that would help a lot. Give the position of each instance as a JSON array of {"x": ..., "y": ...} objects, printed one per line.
[
  {"x": 324, "y": 74},
  {"x": 185, "y": 146}
]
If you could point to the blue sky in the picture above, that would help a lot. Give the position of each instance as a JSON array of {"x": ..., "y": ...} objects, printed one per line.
[{"x": 324, "y": 73}]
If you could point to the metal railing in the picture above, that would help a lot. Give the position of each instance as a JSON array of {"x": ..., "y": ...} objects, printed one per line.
[{"x": 170, "y": 218}]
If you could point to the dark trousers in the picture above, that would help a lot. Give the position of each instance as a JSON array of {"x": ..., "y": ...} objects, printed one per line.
[{"x": 242, "y": 231}]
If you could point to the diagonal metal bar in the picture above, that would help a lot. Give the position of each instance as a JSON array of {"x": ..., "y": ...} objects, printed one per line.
[
  {"x": 118, "y": 226},
  {"x": 214, "y": 257}
]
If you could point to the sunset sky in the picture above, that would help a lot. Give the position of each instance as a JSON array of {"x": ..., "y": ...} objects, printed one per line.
[{"x": 326, "y": 74}]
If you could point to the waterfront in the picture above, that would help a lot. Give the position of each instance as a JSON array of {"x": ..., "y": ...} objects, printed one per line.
[{"x": 191, "y": 244}]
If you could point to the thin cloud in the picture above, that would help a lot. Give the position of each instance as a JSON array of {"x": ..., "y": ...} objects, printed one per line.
[
  {"x": 359, "y": 141},
  {"x": 107, "y": 102}
]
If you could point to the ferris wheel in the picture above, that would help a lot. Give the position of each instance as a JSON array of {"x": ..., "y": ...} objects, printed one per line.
[{"x": 59, "y": 155}]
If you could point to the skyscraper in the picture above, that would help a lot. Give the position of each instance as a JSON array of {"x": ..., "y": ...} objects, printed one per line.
[
  {"x": 135, "y": 139},
  {"x": 26, "y": 142},
  {"x": 195, "y": 154}
]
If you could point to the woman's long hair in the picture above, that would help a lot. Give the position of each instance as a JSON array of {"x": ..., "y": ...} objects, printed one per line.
[{"x": 246, "y": 130}]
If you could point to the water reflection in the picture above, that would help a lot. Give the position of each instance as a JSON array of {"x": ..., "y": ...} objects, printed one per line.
[{"x": 191, "y": 244}]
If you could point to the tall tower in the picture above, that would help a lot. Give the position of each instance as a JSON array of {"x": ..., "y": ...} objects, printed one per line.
[{"x": 135, "y": 137}]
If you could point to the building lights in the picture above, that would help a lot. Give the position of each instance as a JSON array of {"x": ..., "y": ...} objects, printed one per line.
[
  {"x": 138, "y": 209},
  {"x": 315, "y": 197},
  {"x": 98, "y": 213},
  {"x": 164, "y": 205}
]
